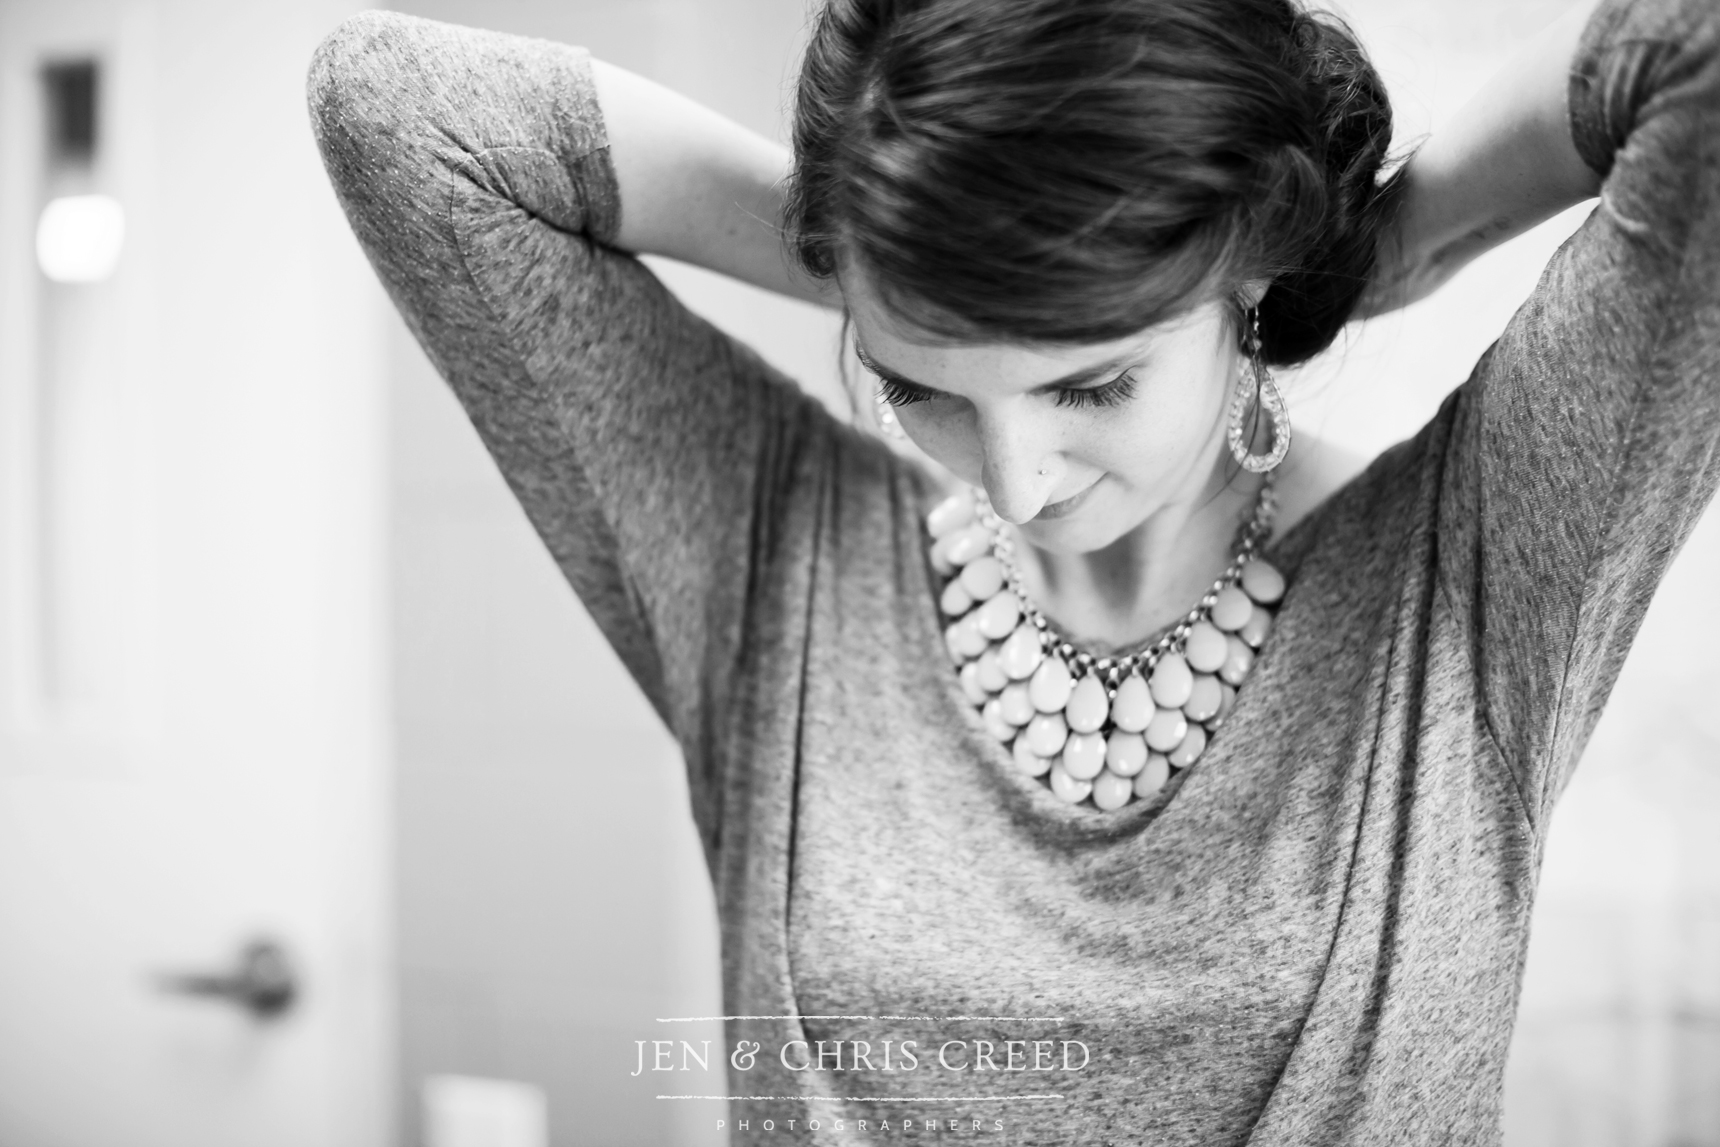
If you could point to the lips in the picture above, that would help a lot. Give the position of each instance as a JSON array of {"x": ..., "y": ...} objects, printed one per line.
[{"x": 1066, "y": 507}]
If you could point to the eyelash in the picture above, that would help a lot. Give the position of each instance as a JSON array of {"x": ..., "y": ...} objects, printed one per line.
[
  {"x": 900, "y": 394},
  {"x": 1114, "y": 393}
]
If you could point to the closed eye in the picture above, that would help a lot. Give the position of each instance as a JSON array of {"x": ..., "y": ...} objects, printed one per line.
[
  {"x": 1114, "y": 393},
  {"x": 898, "y": 391}
]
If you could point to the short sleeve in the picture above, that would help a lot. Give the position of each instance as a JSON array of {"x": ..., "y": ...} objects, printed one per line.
[{"x": 650, "y": 451}]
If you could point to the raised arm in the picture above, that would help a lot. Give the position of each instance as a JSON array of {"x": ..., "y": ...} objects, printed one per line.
[
  {"x": 1586, "y": 444},
  {"x": 664, "y": 465},
  {"x": 698, "y": 187},
  {"x": 1506, "y": 163}
]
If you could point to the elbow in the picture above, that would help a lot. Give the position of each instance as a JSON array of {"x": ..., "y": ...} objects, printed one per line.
[{"x": 352, "y": 74}]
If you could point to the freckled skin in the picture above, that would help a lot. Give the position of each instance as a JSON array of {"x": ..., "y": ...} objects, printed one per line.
[
  {"x": 1151, "y": 471},
  {"x": 1161, "y": 446}
]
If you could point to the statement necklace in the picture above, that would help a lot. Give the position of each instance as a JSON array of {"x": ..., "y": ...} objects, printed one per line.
[{"x": 1098, "y": 731}]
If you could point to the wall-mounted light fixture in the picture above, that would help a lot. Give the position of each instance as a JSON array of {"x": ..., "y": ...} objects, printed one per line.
[
  {"x": 79, "y": 234},
  {"x": 78, "y": 476},
  {"x": 79, "y": 238}
]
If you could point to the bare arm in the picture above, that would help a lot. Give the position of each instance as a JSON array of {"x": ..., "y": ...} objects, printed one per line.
[
  {"x": 1506, "y": 163},
  {"x": 698, "y": 187}
]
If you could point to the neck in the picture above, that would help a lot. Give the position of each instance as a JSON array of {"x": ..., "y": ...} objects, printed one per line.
[{"x": 1117, "y": 597}]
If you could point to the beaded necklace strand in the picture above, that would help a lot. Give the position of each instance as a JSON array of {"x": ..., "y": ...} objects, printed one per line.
[{"x": 1100, "y": 732}]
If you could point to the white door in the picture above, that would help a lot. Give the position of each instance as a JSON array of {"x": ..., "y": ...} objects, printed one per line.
[{"x": 193, "y": 735}]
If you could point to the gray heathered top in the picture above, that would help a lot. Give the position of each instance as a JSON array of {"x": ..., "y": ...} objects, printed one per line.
[{"x": 1313, "y": 936}]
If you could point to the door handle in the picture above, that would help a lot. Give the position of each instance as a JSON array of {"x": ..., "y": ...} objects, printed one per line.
[{"x": 263, "y": 981}]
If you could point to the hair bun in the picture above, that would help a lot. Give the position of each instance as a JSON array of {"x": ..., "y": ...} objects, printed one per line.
[
  {"x": 1307, "y": 306},
  {"x": 1074, "y": 171}
]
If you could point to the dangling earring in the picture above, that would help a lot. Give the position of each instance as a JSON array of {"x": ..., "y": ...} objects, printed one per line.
[
  {"x": 1255, "y": 384},
  {"x": 888, "y": 424}
]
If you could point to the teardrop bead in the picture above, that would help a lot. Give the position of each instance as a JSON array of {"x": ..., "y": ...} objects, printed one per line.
[
  {"x": 1051, "y": 686},
  {"x": 976, "y": 693},
  {"x": 1166, "y": 730},
  {"x": 1232, "y": 609},
  {"x": 998, "y": 616},
  {"x": 1053, "y": 719},
  {"x": 982, "y": 577},
  {"x": 1067, "y": 788},
  {"x": 1171, "y": 682},
  {"x": 1193, "y": 745},
  {"x": 1027, "y": 760},
  {"x": 1046, "y": 734},
  {"x": 1125, "y": 753},
  {"x": 952, "y": 643},
  {"x": 1152, "y": 778},
  {"x": 1088, "y": 706},
  {"x": 1204, "y": 649},
  {"x": 1237, "y": 663},
  {"x": 1084, "y": 755},
  {"x": 1132, "y": 707},
  {"x": 1021, "y": 653},
  {"x": 1255, "y": 629},
  {"x": 969, "y": 640},
  {"x": 1262, "y": 582},
  {"x": 952, "y": 513},
  {"x": 1111, "y": 792},
  {"x": 965, "y": 545},
  {"x": 1017, "y": 705},
  {"x": 1203, "y": 699}
]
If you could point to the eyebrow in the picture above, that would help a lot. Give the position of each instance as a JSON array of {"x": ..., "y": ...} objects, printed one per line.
[{"x": 1075, "y": 378}]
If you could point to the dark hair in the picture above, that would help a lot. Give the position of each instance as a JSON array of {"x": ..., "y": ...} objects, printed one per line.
[{"x": 1073, "y": 171}]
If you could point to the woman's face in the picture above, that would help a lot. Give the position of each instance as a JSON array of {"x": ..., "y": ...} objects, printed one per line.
[{"x": 1077, "y": 446}]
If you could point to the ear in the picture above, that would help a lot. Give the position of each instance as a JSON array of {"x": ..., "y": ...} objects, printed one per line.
[{"x": 1244, "y": 299}]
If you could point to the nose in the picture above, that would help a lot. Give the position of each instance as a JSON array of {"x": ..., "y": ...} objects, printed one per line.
[{"x": 1018, "y": 470}]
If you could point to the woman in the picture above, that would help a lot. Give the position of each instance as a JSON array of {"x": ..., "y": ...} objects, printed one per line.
[{"x": 1227, "y": 827}]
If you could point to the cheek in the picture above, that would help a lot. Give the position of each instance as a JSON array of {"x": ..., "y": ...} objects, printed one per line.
[
  {"x": 1155, "y": 439},
  {"x": 947, "y": 432}
]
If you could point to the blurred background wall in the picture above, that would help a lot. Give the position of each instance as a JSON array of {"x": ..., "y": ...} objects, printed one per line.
[
  {"x": 194, "y": 719},
  {"x": 453, "y": 805}
]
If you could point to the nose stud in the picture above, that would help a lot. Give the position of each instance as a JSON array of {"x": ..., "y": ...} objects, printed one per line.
[{"x": 1043, "y": 471}]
